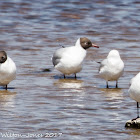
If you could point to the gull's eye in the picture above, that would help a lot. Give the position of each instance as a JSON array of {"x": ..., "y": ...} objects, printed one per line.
[
  {"x": 89, "y": 43},
  {"x": 3, "y": 57}
]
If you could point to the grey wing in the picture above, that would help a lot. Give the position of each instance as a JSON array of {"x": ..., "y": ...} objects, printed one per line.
[
  {"x": 57, "y": 56},
  {"x": 102, "y": 64},
  {"x": 55, "y": 60}
]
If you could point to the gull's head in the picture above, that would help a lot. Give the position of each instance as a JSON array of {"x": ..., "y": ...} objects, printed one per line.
[
  {"x": 113, "y": 53},
  {"x": 3, "y": 57},
  {"x": 85, "y": 43}
]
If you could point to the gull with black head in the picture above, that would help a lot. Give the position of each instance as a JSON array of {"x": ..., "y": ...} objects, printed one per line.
[
  {"x": 69, "y": 60},
  {"x": 7, "y": 69}
]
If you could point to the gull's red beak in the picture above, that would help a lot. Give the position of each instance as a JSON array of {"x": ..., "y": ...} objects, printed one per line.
[{"x": 94, "y": 45}]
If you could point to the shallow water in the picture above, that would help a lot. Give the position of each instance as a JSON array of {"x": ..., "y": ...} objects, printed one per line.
[{"x": 41, "y": 103}]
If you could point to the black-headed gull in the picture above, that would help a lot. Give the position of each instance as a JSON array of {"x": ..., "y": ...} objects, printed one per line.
[
  {"x": 111, "y": 68},
  {"x": 69, "y": 60},
  {"x": 134, "y": 91},
  {"x": 7, "y": 69}
]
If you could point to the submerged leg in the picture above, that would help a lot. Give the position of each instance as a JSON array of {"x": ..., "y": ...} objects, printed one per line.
[
  {"x": 116, "y": 84},
  {"x": 137, "y": 110},
  {"x": 107, "y": 84},
  {"x": 75, "y": 76},
  {"x": 64, "y": 76},
  {"x": 6, "y": 87}
]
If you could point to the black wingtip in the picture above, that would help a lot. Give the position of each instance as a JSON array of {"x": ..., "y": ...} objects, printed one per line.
[
  {"x": 47, "y": 70},
  {"x": 98, "y": 62}
]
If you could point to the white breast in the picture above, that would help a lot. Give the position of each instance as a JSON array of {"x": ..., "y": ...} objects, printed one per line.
[
  {"x": 134, "y": 90},
  {"x": 7, "y": 71},
  {"x": 112, "y": 69},
  {"x": 71, "y": 60}
]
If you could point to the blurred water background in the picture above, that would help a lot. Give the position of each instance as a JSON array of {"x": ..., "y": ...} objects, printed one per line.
[{"x": 40, "y": 101}]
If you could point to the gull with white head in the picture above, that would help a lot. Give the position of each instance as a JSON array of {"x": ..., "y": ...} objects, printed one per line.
[
  {"x": 111, "y": 68},
  {"x": 134, "y": 91}
]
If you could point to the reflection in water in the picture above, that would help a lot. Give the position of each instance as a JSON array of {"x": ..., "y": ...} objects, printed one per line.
[
  {"x": 73, "y": 89},
  {"x": 30, "y": 34},
  {"x": 114, "y": 100},
  {"x": 7, "y": 98},
  {"x": 113, "y": 93},
  {"x": 72, "y": 85}
]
